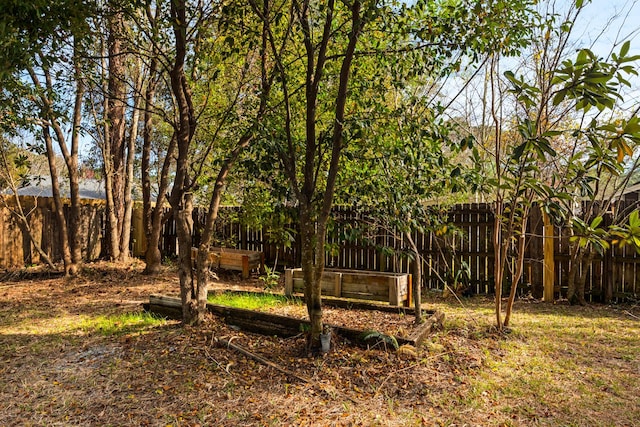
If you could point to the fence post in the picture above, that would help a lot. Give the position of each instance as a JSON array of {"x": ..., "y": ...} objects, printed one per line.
[
  {"x": 549, "y": 261},
  {"x": 535, "y": 250}
]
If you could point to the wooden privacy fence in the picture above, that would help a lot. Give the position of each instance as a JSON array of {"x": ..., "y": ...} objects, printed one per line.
[
  {"x": 16, "y": 249},
  {"x": 465, "y": 256}
]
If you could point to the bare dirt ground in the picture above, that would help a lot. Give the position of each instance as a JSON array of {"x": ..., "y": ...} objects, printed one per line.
[{"x": 60, "y": 366}]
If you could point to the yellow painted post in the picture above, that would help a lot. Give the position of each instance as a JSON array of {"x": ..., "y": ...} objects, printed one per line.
[{"x": 549, "y": 261}]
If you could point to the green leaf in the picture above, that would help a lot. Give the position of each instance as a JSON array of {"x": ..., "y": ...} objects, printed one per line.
[
  {"x": 596, "y": 222},
  {"x": 624, "y": 50}
]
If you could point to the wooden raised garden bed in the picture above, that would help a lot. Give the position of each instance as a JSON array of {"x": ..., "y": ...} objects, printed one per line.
[
  {"x": 369, "y": 285},
  {"x": 234, "y": 259}
]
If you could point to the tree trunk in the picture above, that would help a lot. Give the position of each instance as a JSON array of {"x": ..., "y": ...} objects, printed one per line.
[
  {"x": 417, "y": 279},
  {"x": 575, "y": 261},
  {"x": 69, "y": 246},
  {"x": 153, "y": 216},
  {"x": 181, "y": 193},
  {"x": 314, "y": 200},
  {"x": 184, "y": 226},
  {"x": 75, "y": 217},
  {"x": 69, "y": 267},
  {"x": 498, "y": 264},
  {"x": 518, "y": 273},
  {"x": 221, "y": 179},
  {"x": 71, "y": 160},
  {"x": 114, "y": 153},
  {"x": 576, "y": 280},
  {"x": 111, "y": 234},
  {"x": 125, "y": 238},
  {"x": 312, "y": 271}
]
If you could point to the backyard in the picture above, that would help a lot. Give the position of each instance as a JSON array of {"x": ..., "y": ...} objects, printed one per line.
[{"x": 80, "y": 351}]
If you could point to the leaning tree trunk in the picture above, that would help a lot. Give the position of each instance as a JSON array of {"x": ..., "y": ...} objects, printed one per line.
[
  {"x": 61, "y": 221},
  {"x": 202, "y": 266},
  {"x": 19, "y": 212},
  {"x": 26, "y": 226}
]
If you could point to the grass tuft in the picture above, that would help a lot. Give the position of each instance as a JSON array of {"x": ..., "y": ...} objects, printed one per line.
[
  {"x": 250, "y": 301},
  {"x": 122, "y": 324}
]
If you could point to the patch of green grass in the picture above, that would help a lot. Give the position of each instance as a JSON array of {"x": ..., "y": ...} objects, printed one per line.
[
  {"x": 121, "y": 324},
  {"x": 252, "y": 301}
]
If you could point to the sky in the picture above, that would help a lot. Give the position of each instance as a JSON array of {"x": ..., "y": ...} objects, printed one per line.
[
  {"x": 604, "y": 23},
  {"x": 602, "y": 26}
]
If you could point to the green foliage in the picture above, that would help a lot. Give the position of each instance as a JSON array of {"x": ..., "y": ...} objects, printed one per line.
[
  {"x": 379, "y": 337},
  {"x": 592, "y": 234},
  {"x": 28, "y": 26},
  {"x": 592, "y": 82},
  {"x": 261, "y": 210},
  {"x": 270, "y": 279},
  {"x": 628, "y": 234}
]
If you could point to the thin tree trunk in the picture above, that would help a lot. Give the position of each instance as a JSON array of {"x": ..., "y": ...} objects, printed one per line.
[
  {"x": 69, "y": 267},
  {"x": 417, "y": 279},
  {"x": 111, "y": 235},
  {"x": 498, "y": 265},
  {"x": 244, "y": 141},
  {"x": 116, "y": 109},
  {"x": 518, "y": 272},
  {"x": 580, "y": 288},
  {"x": 46, "y": 115},
  {"x": 153, "y": 216},
  {"x": 180, "y": 195},
  {"x": 131, "y": 151},
  {"x": 312, "y": 271},
  {"x": 576, "y": 281},
  {"x": 19, "y": 212},
  {"x": 71, "y": 159},
  {"x": 575, "y": 261}
]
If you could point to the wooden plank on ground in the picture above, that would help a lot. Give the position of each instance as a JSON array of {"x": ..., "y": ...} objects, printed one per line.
[{"x": 433, "y": 323}]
